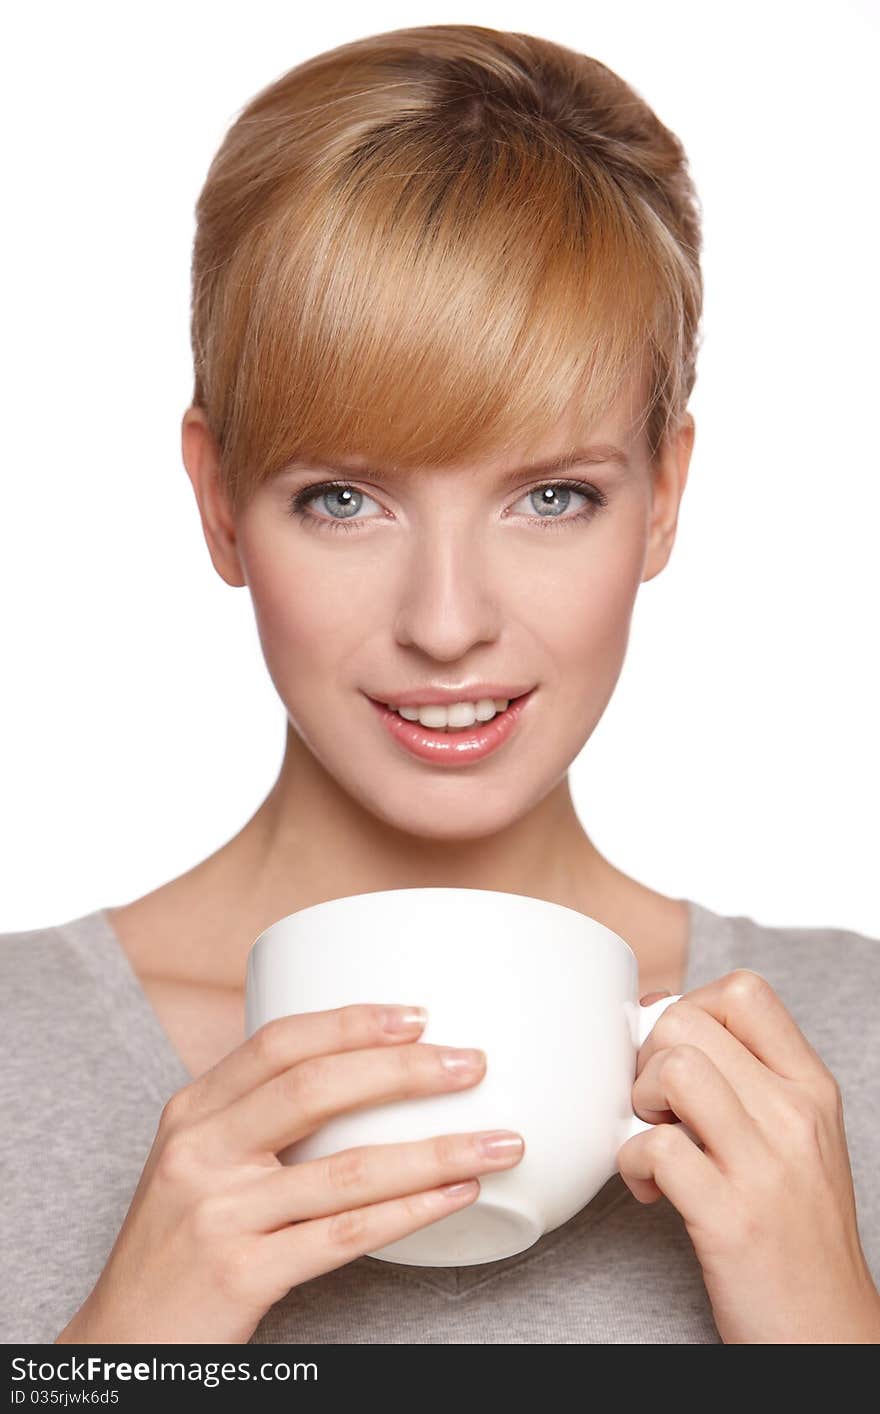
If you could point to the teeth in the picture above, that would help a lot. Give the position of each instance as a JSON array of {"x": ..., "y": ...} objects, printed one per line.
[{"x": 456, "y": 715}]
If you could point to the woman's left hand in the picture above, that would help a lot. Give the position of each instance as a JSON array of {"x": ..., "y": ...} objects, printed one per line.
[{"x": 768, "y": 1200}]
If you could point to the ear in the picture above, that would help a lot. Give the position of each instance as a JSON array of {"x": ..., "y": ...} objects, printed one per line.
[
  {"x": 201, "y": 458},
  {"x": 669, "y": 478}
]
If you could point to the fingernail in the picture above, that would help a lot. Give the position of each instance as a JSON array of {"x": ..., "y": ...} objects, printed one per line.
[
  {"x": 500, "y": 1143},
  {"x": 460, "y": 1062},
  {"x": 458, "y": 1190},
  {"x": 451, "y": 1193},
  {"x": 404, "y": 1018}
]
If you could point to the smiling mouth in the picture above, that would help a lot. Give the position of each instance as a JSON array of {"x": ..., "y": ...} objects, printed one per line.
[
  {"x": 414, "y": 715},
  {"x": 454, "y": 746}
]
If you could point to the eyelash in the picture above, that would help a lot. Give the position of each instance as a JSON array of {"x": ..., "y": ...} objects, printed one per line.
[{"x": 299, "y": 502}]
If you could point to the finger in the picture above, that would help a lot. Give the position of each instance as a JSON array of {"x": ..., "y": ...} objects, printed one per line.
[
  {"x": 286, "y": 1040},
  {"x": 301, "y": 1251},
  {"x": 686, "y": 1081},
  {"x": 301, "y": 1099},
  {"x": 665, "y": 1157},
  {"x": 371, "y": 1173},
  {"x": 685, "y": 1023},
  {"x": 745, "y": 1003}
]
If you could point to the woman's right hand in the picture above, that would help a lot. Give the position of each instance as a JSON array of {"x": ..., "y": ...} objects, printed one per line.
[{"x": 219, "y": 1229}]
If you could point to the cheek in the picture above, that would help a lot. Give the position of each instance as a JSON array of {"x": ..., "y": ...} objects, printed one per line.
[
  {"x": 581, "y": 604},
  {"x": 303, "y": 609}
]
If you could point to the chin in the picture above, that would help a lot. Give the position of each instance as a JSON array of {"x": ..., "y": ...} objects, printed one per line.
[{"x": 467, "y": 821}]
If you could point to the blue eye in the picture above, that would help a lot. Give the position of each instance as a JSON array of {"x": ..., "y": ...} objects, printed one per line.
[
  {"x": 348, "y": 501},
  {"x": 551, "y": 493}
]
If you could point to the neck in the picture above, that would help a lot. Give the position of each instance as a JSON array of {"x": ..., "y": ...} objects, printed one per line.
[{"x": 310, "y": 841}]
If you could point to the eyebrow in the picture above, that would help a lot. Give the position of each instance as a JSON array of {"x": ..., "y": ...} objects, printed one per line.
[{"x": 597, "y": 454}]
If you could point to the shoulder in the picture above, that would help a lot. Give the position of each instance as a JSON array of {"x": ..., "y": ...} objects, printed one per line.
[
  {"x": 59, "y": 991},
  {"x": 41, "y": 966},
  {"x": 809, "y": 962},
  {"x": 827, "y": 977},
  {"x": 30, "y": 958}
]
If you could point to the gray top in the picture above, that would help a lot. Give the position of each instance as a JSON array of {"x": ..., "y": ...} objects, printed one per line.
[{"x": 87, "y": 1068}]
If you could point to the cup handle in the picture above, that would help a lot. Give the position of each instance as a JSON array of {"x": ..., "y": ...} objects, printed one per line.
[{"x": 647, "y": 1016}]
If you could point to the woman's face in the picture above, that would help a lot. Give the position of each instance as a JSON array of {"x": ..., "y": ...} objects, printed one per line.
[{"x": 477, "y": 574}]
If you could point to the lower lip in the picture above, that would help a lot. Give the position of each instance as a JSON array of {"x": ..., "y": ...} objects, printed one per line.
[{"x": 458, "y": 747}]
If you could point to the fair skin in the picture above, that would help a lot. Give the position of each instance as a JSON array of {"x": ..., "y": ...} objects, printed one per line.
[
  {"x": 442, "y": 583},
  {"x": 446, "y": 590},
  {"x": 446, "y": 586}
]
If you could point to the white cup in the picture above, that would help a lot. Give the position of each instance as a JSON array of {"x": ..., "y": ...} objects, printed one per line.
[{"x": 550, "y": 995}]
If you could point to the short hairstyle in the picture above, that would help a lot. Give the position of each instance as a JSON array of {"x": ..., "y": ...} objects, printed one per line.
[{"x": 431, "y": 244}]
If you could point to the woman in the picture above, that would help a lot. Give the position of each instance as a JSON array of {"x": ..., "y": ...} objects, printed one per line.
[{"x": 446, "y": 298}]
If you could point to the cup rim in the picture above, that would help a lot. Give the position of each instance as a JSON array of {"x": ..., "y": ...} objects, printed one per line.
[{"x": 429, "y": 889}]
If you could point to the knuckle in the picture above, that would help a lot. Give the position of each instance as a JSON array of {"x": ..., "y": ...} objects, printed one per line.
[
  {"x": 829, "y": 1092},
  {"x": 745, "y": 986},
  {"x": 663, "y": 1143},
  {"x": 680, "y": 1061},
  {"x": 235, "y": 1270},
  {"x": 176, "y": 1110},
  {"x": 347, "y": 1170},
  {"x": 415, "y": 1064},
  {"x": 678, "y": 1021},
  {"x": 803, "y": 1124},
  {"x": 446, "y": 1151},
  {"x": 347, "y": 1230},
  {"x": 305, "y": 1085},
  {"x": 349, "y": 1024},
  {"x": 176, "y": 1164},
  {"x": 271, "y": 1042}
]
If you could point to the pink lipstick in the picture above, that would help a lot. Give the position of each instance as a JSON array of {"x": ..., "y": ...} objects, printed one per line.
[{"x": 457, "y": 746}]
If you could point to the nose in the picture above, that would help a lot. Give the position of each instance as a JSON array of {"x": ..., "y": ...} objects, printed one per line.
[{"x": 448, "y": 598}]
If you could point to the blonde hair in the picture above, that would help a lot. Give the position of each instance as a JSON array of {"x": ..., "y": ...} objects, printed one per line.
[{"x": 430, "y": 244}]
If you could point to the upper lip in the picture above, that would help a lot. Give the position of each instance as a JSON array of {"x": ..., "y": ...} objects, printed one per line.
[{"x": 442, "y": 696}]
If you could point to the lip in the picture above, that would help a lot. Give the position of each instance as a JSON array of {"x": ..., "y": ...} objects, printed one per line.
[
  {"x": 442, "y": 696},
  {"x": 456, "y": 748}
]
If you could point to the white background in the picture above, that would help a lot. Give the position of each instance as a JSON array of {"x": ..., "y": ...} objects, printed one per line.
[{"x": 737, "y": 762}]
